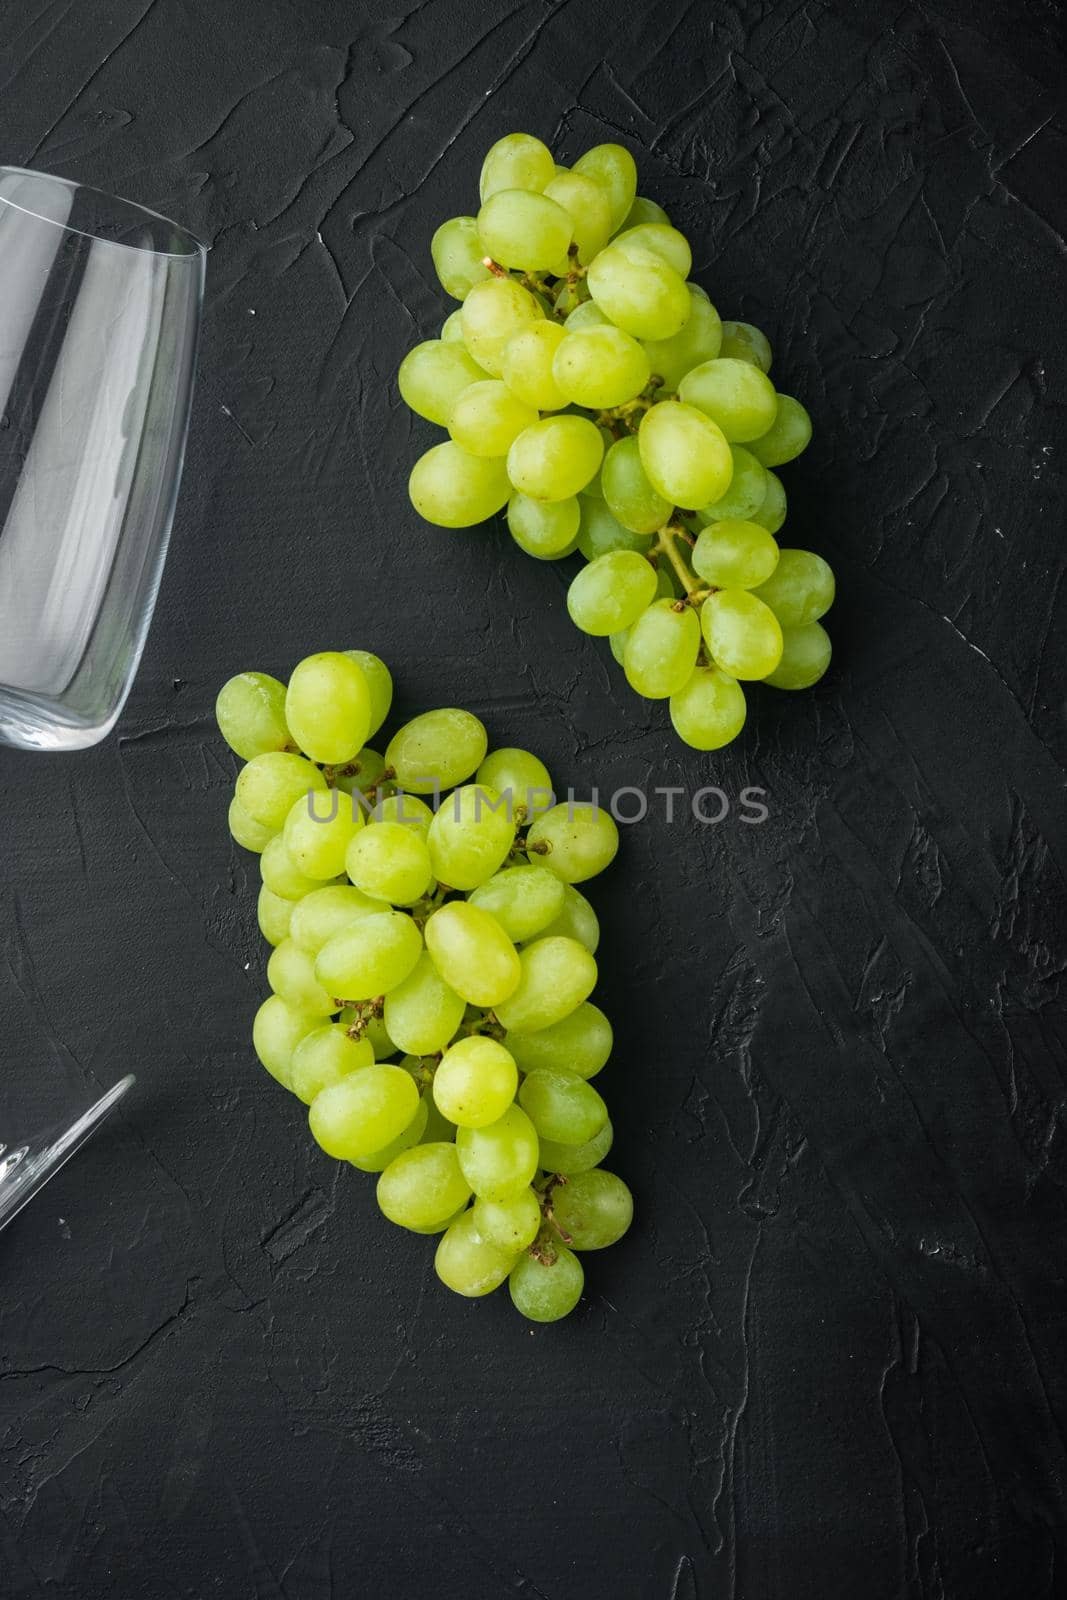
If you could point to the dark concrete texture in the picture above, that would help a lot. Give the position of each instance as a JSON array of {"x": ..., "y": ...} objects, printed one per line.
[{"x": 828, "y": 1361}]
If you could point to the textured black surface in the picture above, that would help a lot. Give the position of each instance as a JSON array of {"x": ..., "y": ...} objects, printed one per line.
[{"x": 828, "y": 1361}]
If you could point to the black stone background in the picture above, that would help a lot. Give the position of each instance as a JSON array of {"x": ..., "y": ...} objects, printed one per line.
[{"x": 828, "y": 1360}]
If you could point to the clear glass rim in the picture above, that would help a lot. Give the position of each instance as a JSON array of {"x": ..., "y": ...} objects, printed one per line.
[
  {"x": 34, "y": 1166},
  {"x": 195, "y": 249}
]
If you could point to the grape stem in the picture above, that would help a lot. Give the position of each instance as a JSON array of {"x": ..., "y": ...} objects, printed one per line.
[
  {"x": 665, "y": 545},
  {"x": 366, "y": 1011},
  {"x": 548, "y": 1215},
  {"x": 486, "y": 1025},
  {"x": 539, "y": 847},
  {"x": 543, "y": 1249}
]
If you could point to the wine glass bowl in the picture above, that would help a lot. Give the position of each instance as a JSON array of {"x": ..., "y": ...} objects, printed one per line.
[{"x": 100, "y": 304}]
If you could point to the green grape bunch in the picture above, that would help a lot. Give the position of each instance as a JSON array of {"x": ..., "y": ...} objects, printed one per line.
[
  {"x": 588, "y": 386},
  {"x": 431, "y": 970}
]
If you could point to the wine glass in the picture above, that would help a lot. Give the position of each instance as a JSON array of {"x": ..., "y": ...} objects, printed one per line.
[{"x": 100, "y": 305}]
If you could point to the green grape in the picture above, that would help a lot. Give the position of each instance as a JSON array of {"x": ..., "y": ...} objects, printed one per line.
[
  {"x": 545, "y": 529},
  {"x": 556, "y": 976},
  {"x": 577, "y": 920},
  {"x": 662, "y": 649},
  {"x": 709, "y": 710},
  {"x": 805, "y": 657},
  {"x": 586, "y": 315},
  {"x": 493, "y": 313},
  {"x": 741, "y": 341},
  {"x": 684, "y": 454},
  {"x": 422, "y": 1013},
  {"x": 423, "y": 1188},
  {"x": 470, "y": 836},
  {"x": 291, "y": 973},
  {"x": 369, "y": 957},
  {"x": 734, "y": 554},
  {"x": 280, "y": 872},
  {"x": 771, "y": 513},
  {"x": 524, "y": 900},
  {"x": 325, "y": 911},
  {"x": 432, "y": 377},
  {"x": 268, "y": 786},
  {"x": 546, "y": 1285},
  {"x": 277, "y": 1030},
  {"x": 599, "y": 533},
  {"x": 524, "y": 230},
  {"x": 742, "y": 634},
  {"x": 472, "y": 953},
  {"x": 611, "y": 592},
  {"x": 317, "y": 834},
  {"x": 592, "y": 1210},
  {"x": 520, "y": 774},
  {"x": 475, "y": 1082},
  {"x": 374, "y": 1029},
  {"x": 363, "y": 772},
  {"x": 250, "y": 712},
  {"x": 413, "y": 1134},
  {"x": 580, "y": 1043},
  {"x": 643, "y": 210},
  {"x": 452, "y": 326},
  {"x": 500, "y": 1159},
  {"x": 326, "y": 1056},
  {"x": 518, "y": 161},
  {"x": 600, "y": 367},
  {"x": 554, "y": 458},
  {"x": 328, "y": 706},
  {"x": 437, "y": 750},
  {"x": 441, "y": 1227},
  {"x": 562, "y": 1106},
  {"x": 800, "y": 589},
  {"x": 667, "y": 585},
  {"x": 617, "y": 642},
  {"x": 639, "y": 292},
  {"x": 581, "y": 840},
  {"x": 390, "y": 862},
  {"x": 587, "y": 203},
  {"x": 699, "y": 340},
  {"x": 526, "y": 365},
  {"x": 438, "y": 1128},
  {"x": 512, "y": 1224},
  {"x": 406, "y": 809},
  {"x": 453, "y": 489},
  {"x": 615, "y": 168},
  {"x": 658, "y": 239},
  {"x": 274, "y": 914},
  {"x": 629, "y": 496},
  {"x": 568, "y": 296},
  {"x": 380, "y": 684},
  {"x": 469, "y": 1264},
  {"x": 747, "y": 491},
  {"x": 457, "y": 257},
  {"x": 734, "y": 394},
  {"x": 363, "y": 1112},
  {"x": 250, "y": 835},
  {"x": 571, "y": 1158},
  {"x": 789, "y": 434}
]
